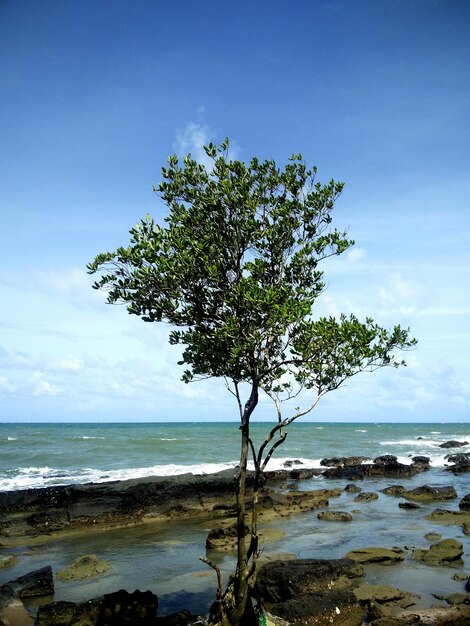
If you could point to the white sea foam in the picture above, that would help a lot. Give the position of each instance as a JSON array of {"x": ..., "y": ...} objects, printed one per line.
[
  {"x": 169, "y": 439},
  {"x": 33, "y": 477},
  {"x": 11, "y": 438},
  {"x": 360, "y": 430}
]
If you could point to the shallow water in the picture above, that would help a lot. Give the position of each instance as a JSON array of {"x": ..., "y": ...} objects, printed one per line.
[{"x": 165, "y": 557}]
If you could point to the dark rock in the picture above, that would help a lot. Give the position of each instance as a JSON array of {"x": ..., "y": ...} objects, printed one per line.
[
  {"x": 293, "y": 462},
  {"x": 464, "y": 504},
  {"x": 358, "y": 472},
  {"x": 461, "y": 467},
  {"x": 281, "y": 580},
  {"x": 113, "y": 609},
  {"x": 428, "y": 493},
  {"x": 326, "y": 607},
  {"x": 366, "y": 496},
  {"x": 385, "y": 459},
  {"x": 408, "y": 505},
  {"x": 49, "y": 521},
  {"x": 423, "y": 460},
  {"x": 344, "y": 461},
  {"x": 467, "y": 586},
  {"x": 453, "y": 444},
  {"x": 352, "y": 489},
  {"x": 37, "y": 583},
  {"x": 335, "y": 516},
  {"x": 394, "y": 490},
  {"x": 223, "y": 538},
  {"x": 458, "y": 458},
  {"x": 433, "y": 537},
  {"x": 466, "y": 528}
]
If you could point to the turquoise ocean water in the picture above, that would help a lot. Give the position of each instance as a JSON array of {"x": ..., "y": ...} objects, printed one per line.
[
  {"x": 164, "y": 558},
  {"x": 37, "y": 455}
]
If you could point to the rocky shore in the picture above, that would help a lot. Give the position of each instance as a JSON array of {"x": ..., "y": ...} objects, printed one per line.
[{"x": 302, "y": 591}]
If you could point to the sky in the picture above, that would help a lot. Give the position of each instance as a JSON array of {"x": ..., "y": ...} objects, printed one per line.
[{"x": 96, "y": 95}]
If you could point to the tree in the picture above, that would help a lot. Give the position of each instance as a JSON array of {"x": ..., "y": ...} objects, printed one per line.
[{"x": 235, "y": 270}]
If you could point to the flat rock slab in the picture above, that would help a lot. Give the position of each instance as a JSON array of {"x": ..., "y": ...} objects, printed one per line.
[
  {"x": 377, "y": 555},
  {"x": 444, "y": 551},
  {"x": 281, "y": 580},
  {"x": 321, "y": 609},
  {"x": 335, "y": 516},
  {"x": 384, "y": 595},
  {"x": 87, "y": 566}
]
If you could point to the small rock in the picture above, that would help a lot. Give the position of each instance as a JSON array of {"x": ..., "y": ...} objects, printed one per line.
[
  {"x": 7, "y": 561},
  {"x": 385, "y": 459},
  {"x": 394, "y": 490},
  {"x": 352, "y": 488},
  {"x": 408, "y": 505},
  {"x": 335, "y": 516},
  {"x": 464, "y": 504},
  {"x": 87, "y": 566},
  {"x": 456, "y": 598},
  {"x": 422, "y": 460},
  {"x": 432, "y": 537},
  {"x": 453, "y": 444},
  {"x": 366, "y": 496},
  {"x": 466, "y": 528}
]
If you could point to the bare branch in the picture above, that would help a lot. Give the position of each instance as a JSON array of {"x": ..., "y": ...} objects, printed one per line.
[{"x": 219, "y": 575}]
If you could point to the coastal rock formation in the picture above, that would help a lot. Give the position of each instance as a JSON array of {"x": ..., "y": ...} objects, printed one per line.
[
  {"x": 7, "y": 561},
  {"x": 43, "y": 512},
  {"x": 387, "y": 465},
  {"x": 351, "y": 488},
  {"x": 377, "y": 555},
  {"x": 37, "y": 583},
  {"x": 282, "y": 580},
  {"x": 444, "y": 551},
  {"x": 445, "y": 516},
  {"x": 425, "y": 493},
  {"x": 453, "y": 444},
  {"x": 344, "y": 461},
  {"x": 113, "y": 609}
]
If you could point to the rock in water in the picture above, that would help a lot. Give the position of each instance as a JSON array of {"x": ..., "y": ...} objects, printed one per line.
[
  {"x": 37, "y": 583},
  {"x": 281, "y": 580},
  {"x": 445, "y": 551},
  {"x": 84, "y": 567},
  {"x": 113, "y": 609}
]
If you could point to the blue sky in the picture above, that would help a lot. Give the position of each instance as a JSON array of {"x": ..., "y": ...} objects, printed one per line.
[{"x": 95, "y": 95}]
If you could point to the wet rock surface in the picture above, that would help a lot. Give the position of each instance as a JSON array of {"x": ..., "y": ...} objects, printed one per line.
[
  {"x": 377, "y": 555},
  {"x": 87, "y": 566},
  {"x": 12, "y": 610},
  {"x": 113, "y": 609},
  {"x": 335, "y": 516},
  {"x": 37, "y": 583},
  {"x": 453, "y": 444},
  {"x": 282, "y": 580},
  {"x": 441, "y": 552},
  {"x": 321, "y": 609}
]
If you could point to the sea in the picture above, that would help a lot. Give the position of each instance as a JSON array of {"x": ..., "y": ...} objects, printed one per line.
[
  {"x": 40, "y": 455},
  {"x": 165, "y": 558}
]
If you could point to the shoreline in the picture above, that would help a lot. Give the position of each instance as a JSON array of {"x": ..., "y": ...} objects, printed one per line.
[{"x": 33, "y": 522}]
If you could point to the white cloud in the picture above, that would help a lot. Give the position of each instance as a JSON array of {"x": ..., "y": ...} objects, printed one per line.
[
  {"x": 355, "y": 254},
  {"x": 43, "y": 388},
  {"x": 192, "y": 139}
]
